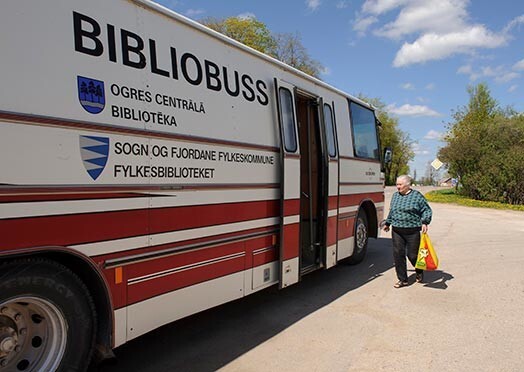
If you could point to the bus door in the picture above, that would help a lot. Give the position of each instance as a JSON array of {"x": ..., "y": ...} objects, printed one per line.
[
  {"x": 304, "y": 199},
  {"x": 289, "y": 242},
  {"x": 330, "y": 135}
]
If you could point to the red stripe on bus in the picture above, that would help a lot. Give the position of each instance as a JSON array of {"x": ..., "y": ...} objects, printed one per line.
[
  {"x": 332, "y": 202},
  {"x": 66, "y": 197},
  {"x": 182, "y": 218},
  {"x": 24, "y": 193},
  {"x": 264, "y": 244},
  {"x": 176, "y": 247},
  {"x": 180, "y": 277},
  {"x": 72, "y": 229},
  {"x": 291, "y": 207},
  {"x": 265, "y": 257},
  {"x": 96, "y": 227},
  {"x": 193, "y": 267},
  {"x": 355, "y": 199},
  {"x": 291, "y": 241},
  {"x": 332, "y": 230}
]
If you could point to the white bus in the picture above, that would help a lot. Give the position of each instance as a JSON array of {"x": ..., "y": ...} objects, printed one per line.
[{"x": 152, "y": 168}]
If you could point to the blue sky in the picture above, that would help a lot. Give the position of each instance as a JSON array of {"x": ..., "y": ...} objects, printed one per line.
[{"x": 416, "y": 56}]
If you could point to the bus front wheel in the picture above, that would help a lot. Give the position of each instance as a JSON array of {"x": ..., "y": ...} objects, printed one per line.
[{"x": 360, "y": 239}]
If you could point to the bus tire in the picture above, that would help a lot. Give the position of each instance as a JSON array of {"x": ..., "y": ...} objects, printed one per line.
[
  {"x": 361, "y": 238},
  {"x": 47, "y": 318}
]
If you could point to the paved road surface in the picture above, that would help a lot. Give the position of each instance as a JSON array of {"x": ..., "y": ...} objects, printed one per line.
[{"x": 467, "y": 316}]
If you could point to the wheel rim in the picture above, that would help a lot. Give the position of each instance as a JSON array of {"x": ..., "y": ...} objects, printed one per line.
[
  {"x": 361, "y": 235},
  {"x": 33, "y": 335}
]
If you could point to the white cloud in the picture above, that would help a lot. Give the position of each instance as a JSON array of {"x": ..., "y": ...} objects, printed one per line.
[
  {"x": 514, "y": 23},
  {"x": 501, "y": 74},
  {"x": 430, "y": 86},
  {"x": 512, "y": 88},
  {"x": 433, "y": 135},
  {"x": 342, "y": 4},
  {"x": 378, "y": 7},
  {"x": 418, "y": 150},
  {"x": 436, "y": 29},
  {"x": 407, "y": 86},
  {"x": 313, "y": 4},
  {"x": 247, "y": 15},
  {"x": 468, "y": 70},
  {"x": 443, "y": 16},
  {"x": 507, "y": 77},
  {"x": 411, "y": 110},
  {"x": 362, "y": 24},
  {"x": 434, "y": 46},
  {"x": 519, "y": 66},
  {"x": 194, "y": 12}
]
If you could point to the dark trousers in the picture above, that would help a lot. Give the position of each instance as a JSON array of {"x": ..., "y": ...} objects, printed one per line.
[{"x": 405, "y": 241}]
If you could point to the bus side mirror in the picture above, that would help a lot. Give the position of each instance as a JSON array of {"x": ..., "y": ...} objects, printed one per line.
[{"x": 388, "y": 155}]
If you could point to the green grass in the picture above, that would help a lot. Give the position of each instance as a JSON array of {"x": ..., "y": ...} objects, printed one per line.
[{"x": 449, "y": 196}]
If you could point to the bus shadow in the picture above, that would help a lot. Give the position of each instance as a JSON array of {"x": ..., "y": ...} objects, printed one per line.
[{"x": 211, "y": 339}]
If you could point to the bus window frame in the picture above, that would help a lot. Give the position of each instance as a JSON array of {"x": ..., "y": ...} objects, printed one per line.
[{"x": 353, "y": 133}]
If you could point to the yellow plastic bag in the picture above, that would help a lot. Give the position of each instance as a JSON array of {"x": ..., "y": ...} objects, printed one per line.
[{"x": 427, "y": 257}]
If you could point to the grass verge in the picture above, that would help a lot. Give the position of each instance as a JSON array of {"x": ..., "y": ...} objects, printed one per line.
[{"x": 449, "y": 196}]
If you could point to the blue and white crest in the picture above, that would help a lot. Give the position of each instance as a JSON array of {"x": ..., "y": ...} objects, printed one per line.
[
  {"x": 94, "y": 152},
  {"x": 91, "y": 94}
]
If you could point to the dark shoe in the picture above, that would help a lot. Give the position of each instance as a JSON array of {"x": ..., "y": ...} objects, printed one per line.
[
  {"x": 419, "y": 277},
  {"x": 400, "y": 284}
]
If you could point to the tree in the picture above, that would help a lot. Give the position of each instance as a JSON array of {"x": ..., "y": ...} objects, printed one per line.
[
  {"x": 392, "y": 136},
  {"x": 484, "y": 149},
  {"x": 247, "y": 30},
  {"x": 287, "y": 48},
  {"x": 466, "y": 136}
]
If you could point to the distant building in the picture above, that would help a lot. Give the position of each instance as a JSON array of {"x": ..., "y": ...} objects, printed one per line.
[{"x": 446, "y": 182}]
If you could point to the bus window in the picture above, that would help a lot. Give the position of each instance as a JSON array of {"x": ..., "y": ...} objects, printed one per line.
[
  {"x": 287, "y": 118},
  {"x": 365, "y": 140},
  {"x": 330, "y": 131}
]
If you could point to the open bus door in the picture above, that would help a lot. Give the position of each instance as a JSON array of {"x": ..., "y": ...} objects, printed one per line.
[
  {"x": 289, "y": 241},
  {"x": 304, "y": 184},
  {"x": 332, "y": 189}
]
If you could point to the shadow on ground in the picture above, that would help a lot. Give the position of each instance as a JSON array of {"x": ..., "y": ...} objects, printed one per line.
[
  {"x": 209, "y": 340},
  {"x": 437, "y": 279}
]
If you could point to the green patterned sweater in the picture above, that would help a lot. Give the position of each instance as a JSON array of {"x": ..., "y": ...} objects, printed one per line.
[{"x": 410, "y": 210}]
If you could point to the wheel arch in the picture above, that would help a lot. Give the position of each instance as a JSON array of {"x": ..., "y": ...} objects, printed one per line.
[
  {"x": 369, "y": 208},
  {"x": 95, "y": 282}
]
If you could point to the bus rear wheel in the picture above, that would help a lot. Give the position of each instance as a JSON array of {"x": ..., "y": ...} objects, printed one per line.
[
  {"x": 47, "y": 318},
  {"x": 360, "y": 239}
]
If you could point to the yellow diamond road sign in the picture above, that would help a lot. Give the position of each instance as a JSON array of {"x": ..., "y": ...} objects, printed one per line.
[{"x": 436, "y": 164}]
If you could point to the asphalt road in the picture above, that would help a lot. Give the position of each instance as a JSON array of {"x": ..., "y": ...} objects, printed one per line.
[{"x": 466, "y": 316}]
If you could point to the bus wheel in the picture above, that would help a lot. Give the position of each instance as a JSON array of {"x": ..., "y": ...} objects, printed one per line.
[
  {"x": 361, "y": 239},
  {"x": 47, "y": 318}
]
